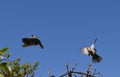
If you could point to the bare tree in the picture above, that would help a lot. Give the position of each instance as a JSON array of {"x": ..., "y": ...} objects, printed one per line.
[{"x": 72, "y": 73}]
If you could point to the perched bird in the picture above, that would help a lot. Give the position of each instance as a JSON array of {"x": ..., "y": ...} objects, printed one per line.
[
  {"x": 91, "y": 51},
  {"x": 33, "y": 41}
]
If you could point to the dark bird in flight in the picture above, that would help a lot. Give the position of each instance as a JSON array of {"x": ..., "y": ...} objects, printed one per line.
[
  {"x": 91, "y": 51},
  {"x": 33, "y": 41}
]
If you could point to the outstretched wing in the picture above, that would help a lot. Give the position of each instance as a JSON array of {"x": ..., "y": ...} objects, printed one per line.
[
  {"x": 85, "y": 51},
  {"x": 26, "y": 41},
  {"x": 93, "y": 44},
  {"x": 31, "y": 42}
]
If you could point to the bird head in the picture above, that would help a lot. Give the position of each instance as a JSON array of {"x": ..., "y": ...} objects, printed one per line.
[{"x": 33, "y": 36}]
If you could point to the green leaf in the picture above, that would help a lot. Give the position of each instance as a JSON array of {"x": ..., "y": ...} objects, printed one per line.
[
  {"x": 3, "y": 66},
  {"x": 9, "y": 67},
  {"x": 1, "y": 75},
  {"x": 2, "y": 51}
]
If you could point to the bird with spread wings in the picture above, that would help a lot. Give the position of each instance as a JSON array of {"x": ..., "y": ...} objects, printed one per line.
[
  {"x": 91, "y": 51},
  {"x": 32, "y": 41}
]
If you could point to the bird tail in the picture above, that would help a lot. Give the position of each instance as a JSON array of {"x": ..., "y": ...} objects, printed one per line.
[{"x": 96, "y": 58}]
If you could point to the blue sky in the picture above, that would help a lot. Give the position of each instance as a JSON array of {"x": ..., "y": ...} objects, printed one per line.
[{"x": 64, "y": 26}]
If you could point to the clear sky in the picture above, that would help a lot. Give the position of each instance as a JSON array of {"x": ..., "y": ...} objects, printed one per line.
[{"x": 64, "y": 26}]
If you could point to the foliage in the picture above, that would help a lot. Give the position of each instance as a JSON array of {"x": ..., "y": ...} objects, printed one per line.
[{"x": 14, "y": 68}]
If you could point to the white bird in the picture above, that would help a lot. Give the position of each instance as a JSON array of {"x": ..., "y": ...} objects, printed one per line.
[
  {"x": 33, "y": 41},
  {"x": 91, "y": 51}
]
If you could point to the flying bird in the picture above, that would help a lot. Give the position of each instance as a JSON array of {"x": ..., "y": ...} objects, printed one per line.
[
  {"x": 91, "y": 51},
  {"x": 33, "y": 41}
]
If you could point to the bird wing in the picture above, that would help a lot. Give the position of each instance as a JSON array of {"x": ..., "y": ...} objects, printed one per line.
[
  {"x": 84, "y": 51},
  {"x": 36, "y": 41},
  {"x": 26, "y": 41},
  {"x": 31, "y": 42},
  {"x": 92, "y": 46},
  {"x": 41, "y": 45}
]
